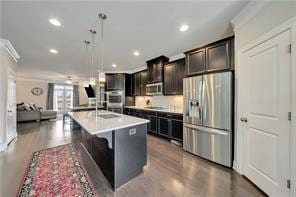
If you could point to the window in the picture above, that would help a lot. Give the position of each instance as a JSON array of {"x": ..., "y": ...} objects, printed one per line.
[{"x": 62, "y": 98}]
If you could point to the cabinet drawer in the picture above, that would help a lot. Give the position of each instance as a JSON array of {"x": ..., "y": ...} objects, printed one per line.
[
  {"x": 148, "y": 112},
  {"x": 170, "y": 115}
]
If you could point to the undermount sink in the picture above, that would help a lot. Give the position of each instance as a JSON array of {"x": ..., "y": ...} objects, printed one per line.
[{"x": 108, "y": 116}]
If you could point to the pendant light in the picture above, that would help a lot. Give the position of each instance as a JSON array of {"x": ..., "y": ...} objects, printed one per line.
[
  {"x": 92, "y": 79},
  {"x": 102, "y": 77},
  {"x": 69, "y": 80},
  {"x": 86, "y": 83}
]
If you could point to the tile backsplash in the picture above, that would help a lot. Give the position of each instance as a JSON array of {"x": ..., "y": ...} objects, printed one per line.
[{"x": 161, "y": 101}]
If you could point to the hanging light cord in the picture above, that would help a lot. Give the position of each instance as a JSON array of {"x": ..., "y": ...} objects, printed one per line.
[
  {"x": 86, "y": 54},
  {"x": 102, "y": 44},
  {"x": 92, "y": 52}
]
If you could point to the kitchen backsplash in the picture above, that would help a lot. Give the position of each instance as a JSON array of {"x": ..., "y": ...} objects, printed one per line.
[{"x": 161, "y": 101}]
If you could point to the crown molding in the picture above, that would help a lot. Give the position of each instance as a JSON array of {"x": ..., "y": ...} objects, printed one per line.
[
  {"x": 177, "y": 57},
  {"x": 247, "y": 13},
  {"x": 9, "y": 48}
]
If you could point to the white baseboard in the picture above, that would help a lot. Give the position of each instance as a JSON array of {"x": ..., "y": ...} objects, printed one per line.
[
  {"x": 235, "y": 167},
  {"x": 3, "y": 147}
]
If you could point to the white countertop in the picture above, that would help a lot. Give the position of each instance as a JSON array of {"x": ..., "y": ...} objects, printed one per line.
[
  {"x": 157, "y": 110},
  {"x": 96, "y": 125}
]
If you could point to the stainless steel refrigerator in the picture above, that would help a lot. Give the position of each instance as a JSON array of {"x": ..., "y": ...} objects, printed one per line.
[{"x": 208, "y": 116}]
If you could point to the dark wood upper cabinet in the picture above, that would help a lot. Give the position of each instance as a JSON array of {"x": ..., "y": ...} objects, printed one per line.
[
  {"x": 196, "y": 62},
  {"x": 173, "y": 77},
  {"x": 155, "y": 69},
  {"x": 143, "y": 83},
  {"x": 140, "y": 81},
  {"x": 169, "y": 81},
  {"x": 213, "y": 57},
  {"x": 137, "y": 84},
  {"x": 218, "y": 56},
  {"x": 115, "y": 81},
  {"x": 129, "y": 85}
]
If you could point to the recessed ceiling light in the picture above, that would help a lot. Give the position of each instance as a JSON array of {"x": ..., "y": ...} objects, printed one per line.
[
  {"x": 53, "y": 51},
  {"x": 136, "y": 53},
  {"x": 55, "y": 22},
  {"x": 184, "y": 28},
  {"x": 114, "y": 65}
]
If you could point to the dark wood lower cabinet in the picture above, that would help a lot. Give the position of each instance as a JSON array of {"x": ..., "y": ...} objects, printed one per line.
[
  {"x": 167, "y": 125},
  {"x": 177, "y": 130},
  {"x": 153, "y": 124},
  {"x": 164, "y": 126}
]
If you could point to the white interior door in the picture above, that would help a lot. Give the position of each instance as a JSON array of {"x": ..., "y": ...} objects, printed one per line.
[
  {"x": 266, "y": 103},
  {"x": 11, "y": 108}
]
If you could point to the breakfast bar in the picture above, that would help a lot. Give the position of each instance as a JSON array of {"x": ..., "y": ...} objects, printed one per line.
[{"x": 116, "y": 142}]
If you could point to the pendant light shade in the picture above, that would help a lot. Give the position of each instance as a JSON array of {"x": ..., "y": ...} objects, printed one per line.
[
  {"x": 69, "y": 80},
  {"x": 92, "y": 81},
  {"x": 102, "y": 77},
  {"x": 86, "y": 84}
]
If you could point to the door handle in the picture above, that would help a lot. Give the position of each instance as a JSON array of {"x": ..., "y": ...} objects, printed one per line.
[
  {"x": 244, "y": 119},
  {"x": 205, "y": 129},
  {"x": 9, "y": 111}
]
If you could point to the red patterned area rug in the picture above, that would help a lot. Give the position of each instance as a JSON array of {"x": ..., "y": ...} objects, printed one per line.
[{"x": 56, "y": 172}]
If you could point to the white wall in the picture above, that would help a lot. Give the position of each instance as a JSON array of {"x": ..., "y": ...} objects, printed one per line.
[
  {"x": 23, "y": 92},
  {"x": 161, "y": 101},
  {"x": 271, "y": 15}
]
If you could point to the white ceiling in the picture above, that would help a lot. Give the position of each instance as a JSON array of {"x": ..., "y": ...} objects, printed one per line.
[{"x": 150, "y": 27}]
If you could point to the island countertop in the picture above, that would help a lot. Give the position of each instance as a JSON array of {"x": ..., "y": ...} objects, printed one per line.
[{"x": 96, "y": 125}]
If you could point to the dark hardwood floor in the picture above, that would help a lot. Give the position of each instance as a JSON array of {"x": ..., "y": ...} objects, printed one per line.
[{"x": 170, "y": 171}]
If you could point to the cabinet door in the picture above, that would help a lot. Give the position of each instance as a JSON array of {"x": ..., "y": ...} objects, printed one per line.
[
  {"x": 150, "y": 73},
  {"x": 128, "y": 85},
  {"x": 177, "y": 130},
  {"x": 169, "y": 79},
  {"x": 153, "y": 124},
  {"x": 195, "y": 62},
  {"x": 138, "y": 84},
  {"x": 109, "y": 82},
  {"x": 179, "y": 75},
  {"x": 157, "y": 72},
  {"x": 218, "y": 56},
  {"x": 143, "y": 83},
  {"x": 164, "y": 127},
  {"x": 133, "y": 82},
  {"x": 118, "y": 81}
]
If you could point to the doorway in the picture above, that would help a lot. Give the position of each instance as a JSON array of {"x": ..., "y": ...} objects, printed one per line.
[
  {"x": 265, "y": 103},
  {"x": 62, "y": 98}
]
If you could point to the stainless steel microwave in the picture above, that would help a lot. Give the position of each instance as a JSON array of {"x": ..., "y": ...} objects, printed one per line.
[{"x": 154, "y": 89}]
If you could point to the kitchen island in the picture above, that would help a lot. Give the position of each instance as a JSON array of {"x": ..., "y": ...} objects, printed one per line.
[{"x": 116, "y": 142}]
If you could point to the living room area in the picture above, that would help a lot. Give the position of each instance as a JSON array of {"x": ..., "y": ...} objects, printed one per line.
[{"x": 40, "y": 100}]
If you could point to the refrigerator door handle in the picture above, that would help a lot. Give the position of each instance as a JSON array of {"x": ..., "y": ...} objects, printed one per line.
[
  {"x": 203, "y": 99},
  {"x": 205, "y": 129},
  {"x": 200, "y": 100}
]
